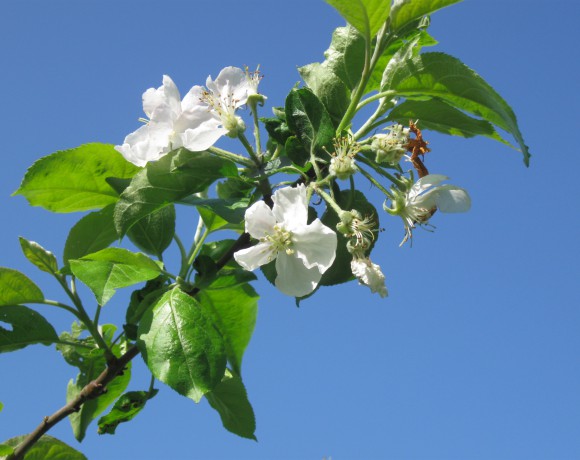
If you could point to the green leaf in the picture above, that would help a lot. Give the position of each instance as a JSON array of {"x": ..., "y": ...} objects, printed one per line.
[
  {"x": 308, "y": 118},
  {"x": 295, "y": 151},
  {"x": 93, "y": 232},
  {"x": 406, "y": 11},
  {"x": 368, "y": 16},
  {"x": 124, "y": 410},
  {"x": 345, "y": 55},
  {"x": 1, "y": 406},
  {"x": 230, "y": 400},
  {"x": 5, "y": 450},
  {"x": 439, "y": 116},
  {"x": 277, "y": 129},
  {"x": 154, "y": 232},
  {"x": 174, "y": 177},
  {"x": 233, "y": 305},
  {"x": 340, "y": 271},
  {"x": 47, "y": 448},
  {"x": 181, "y": 345},
  {"x": 75, "y": 180},
  {"x": 439, "y": 75},
  {"x": 113, "y": 268},
  {"x": 91, "y": 362},
  {"x": 39, "y": 256},
  {"x": 330, "y": 89},
  {"x": 16, "y": 288},
  {"x": 220, "y": 213},
  {"x": 27, "y": 328},
  {"x": 141, "y": 300},
  {"x": 415, "y": 40}
]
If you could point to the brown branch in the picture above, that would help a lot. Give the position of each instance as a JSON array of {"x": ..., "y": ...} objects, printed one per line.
[{"x": 92, "y": 390}]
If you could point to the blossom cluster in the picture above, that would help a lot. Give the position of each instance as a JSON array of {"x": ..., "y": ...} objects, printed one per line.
[{"x": 303, "y": 251}]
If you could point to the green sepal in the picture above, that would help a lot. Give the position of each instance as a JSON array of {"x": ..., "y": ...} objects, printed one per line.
[
  {"x": 181, "y": 345},
  {"x": 75, "y": 180},
  {"x": 27, "y": 328},
  {"x": 124, "y": 410},
  {"x": 231, "y": 402},
  {"x": 38, "y": 256},
  {"x": 107, "y": 270}
]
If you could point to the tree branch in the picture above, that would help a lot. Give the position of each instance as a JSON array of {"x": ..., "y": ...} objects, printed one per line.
[{"x": 92, "y": 390}]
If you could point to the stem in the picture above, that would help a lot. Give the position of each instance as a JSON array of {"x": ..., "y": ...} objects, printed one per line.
[
  {"x": 83, "y": 316},
  {"x": 329, "y": 200},
  {"x": 381, "y": 171},
  {"x": 374, "y": 97},
  {"x": 231, "y": 156},
  {"x": 93, "y": 390},
  {"x": 257, "y": 130},
  {"x": 377, "y": 184},
  {"x": 54, "y": 303},
  {"x": 183, "y": 254},
  {"x": 244, "y": 140}
]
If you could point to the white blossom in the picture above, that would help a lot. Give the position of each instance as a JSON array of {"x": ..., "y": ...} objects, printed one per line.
[
  {"x": 171, "y": 124},
  {"x": 424, "y": 197},
  {"x": 369, "y": 274},
  {"x": 303, "y": 251}
]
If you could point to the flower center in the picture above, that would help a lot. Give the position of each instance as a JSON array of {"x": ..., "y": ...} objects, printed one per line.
[{"x": 281, "y": 240}]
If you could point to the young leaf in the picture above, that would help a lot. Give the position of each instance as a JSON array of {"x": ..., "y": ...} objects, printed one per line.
[
  {"x": 307, "y": 117},
  {"x": 174, "y": 177},
  {"x": 75, "y": 180},
  {"x": 233, "y": 305},
  {"x": 230, "y": 400},
  {"x": 39, "y": 256},
  {"x": 154, "y": 232},
  {"x": 406, "y": 11},
  {"x": 93, "y": 232},
  {"x": 366, "y": 15},
  {"x": 113, "y": 268},
  {"x": 47, "y": 448},
  {"x": 16, "y": 288},
  {"x": 441, "y": 76},
  {"x": 437, "y": 115},
  {"x": 124, "y": 410},
  {"x": 181, "y": 345},
  {"x": 27, "y": 328},
  {"x": 345, "y": 55}
]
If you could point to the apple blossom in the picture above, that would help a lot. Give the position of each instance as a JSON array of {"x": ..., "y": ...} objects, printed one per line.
[
  {"x": 303, "y": 251},
  {"x": 423, "y": 198}
]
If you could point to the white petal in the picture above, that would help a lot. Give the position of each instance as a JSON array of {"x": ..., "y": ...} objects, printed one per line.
[
  {"x": 230, "y": 83},
  {"x": 165, "y": 95},
  {"x": 452, "y": 199},
  {"x": 293, "y": 277},
  {"x": 315, "y": 245},
  {"x": 260, "y": 220},
  {"x": 430, "y": 180},
  {"x": 199, "y": 129},
  {"x": 255, "y": 256},
  {"x": 144, "y": 145},
  {"x": 193, "y": 99},
  {"x": 290, "y": 206}
]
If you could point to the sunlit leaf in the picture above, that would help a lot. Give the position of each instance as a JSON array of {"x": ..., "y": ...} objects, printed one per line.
[
  {"x": 366, "y": 15},
  {"x": 124, "y": 410},
  {"x": 40, "y": 257},
  {"x": 181, "y": 345},
  {"x": 107, "y": 270},
  {"x": 16, "y": 288},
  {"x": 75, "y": 180},
  {"x": 47, "y": 448}
]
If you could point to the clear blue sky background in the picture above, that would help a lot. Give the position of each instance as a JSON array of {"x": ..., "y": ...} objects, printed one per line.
[{"x": 475, "y": 354}]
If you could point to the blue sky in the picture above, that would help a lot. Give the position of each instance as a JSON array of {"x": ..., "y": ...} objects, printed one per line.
[{"x": 476, "y": 352}]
